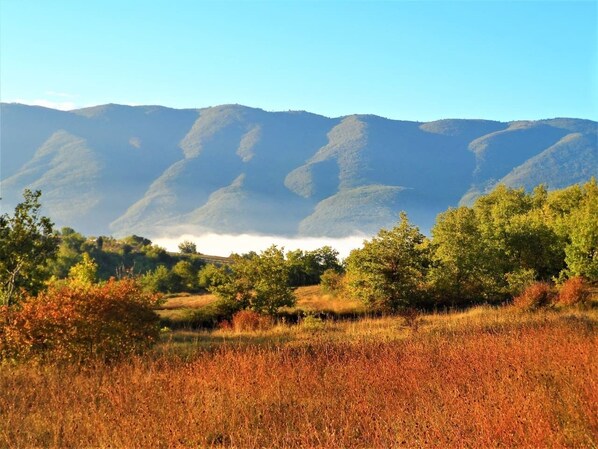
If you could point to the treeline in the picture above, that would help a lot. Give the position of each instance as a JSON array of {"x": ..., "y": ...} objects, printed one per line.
[
  {"x": 508, "y": 244},
  {"x": 32, "y": 254},
  {"x": 161, "y": 271},
  {"x": 487, "y": 253}
]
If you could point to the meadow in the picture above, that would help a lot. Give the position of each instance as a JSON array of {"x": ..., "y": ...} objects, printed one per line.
[{"x": 486, "y": 377}]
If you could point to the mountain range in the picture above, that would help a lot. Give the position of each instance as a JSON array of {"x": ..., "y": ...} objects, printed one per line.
[{"x": 156, "y": 171}]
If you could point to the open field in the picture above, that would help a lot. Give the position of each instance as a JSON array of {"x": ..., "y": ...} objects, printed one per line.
[
  {"x": 179, "y": 310},
  {"x": 483, "y": 378},
  {"x": 309, "y": 298}
]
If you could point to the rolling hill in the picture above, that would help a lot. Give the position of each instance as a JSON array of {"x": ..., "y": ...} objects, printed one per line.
[{"x": 156, "y": 171}]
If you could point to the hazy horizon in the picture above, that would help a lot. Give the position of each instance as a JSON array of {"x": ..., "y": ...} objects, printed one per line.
[{"x": 224, "y": 245}]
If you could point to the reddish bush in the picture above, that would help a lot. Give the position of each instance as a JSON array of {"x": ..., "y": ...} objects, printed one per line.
[
  {"x": 248, "y": 320},
  {"x": 535, "y": 296},
  {"x": 72, "y": 322},
  {"x": 573, "y": 291},
  {"x": 225, "y": 325}
]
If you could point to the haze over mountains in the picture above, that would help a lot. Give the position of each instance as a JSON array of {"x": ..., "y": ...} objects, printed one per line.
[{"x": 155, "y": 171}]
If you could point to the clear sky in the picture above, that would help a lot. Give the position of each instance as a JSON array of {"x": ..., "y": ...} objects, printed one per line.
[{"x": 416, "y": 60}]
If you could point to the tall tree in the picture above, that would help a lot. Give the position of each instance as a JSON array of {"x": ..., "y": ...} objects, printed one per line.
[
  {"x": 388, "y": 272},
  {"x": 582, "y": 250},
  {"x": 27, "y": 242},
  {"x": 463, "y": 271}
]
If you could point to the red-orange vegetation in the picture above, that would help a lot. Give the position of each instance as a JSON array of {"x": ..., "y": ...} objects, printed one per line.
[
  {"x": 573, "y": 291},
  {"x": 248, "y": 320},
  {"x": 75, "y": 322},
  {"x": 535, "y": 296},
  {"x": 533, "y": 386}
]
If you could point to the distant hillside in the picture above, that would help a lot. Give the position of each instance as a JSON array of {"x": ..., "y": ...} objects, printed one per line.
[{"x": 156, "y": 171}]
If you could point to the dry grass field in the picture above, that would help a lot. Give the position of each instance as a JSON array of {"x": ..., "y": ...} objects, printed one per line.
[
  {"x": 486, "y": 378},
  {"x": 309, "y": 298},
  {"x": 179, "y": 309}
]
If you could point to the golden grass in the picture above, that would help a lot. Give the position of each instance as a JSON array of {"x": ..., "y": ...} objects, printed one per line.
[
  {"x": 179, "y": 308},
  {"x": 480, "y": 379},
  {"x": 188, "y": 301},
  {"x": 367, "y": 329},
  {"x": 311, "y": 299}
]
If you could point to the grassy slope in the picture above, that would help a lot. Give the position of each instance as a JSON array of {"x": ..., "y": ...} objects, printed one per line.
[{"x": 484, "y": 378}]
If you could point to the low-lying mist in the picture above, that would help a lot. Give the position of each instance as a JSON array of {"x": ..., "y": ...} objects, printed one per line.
[{"x": 225, "y": 244}]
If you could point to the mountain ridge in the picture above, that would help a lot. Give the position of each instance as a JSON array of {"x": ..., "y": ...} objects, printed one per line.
[{"x": 234, "y": 169}]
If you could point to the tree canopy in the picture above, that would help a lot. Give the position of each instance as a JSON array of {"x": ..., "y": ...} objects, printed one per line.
[
  {"x": 388, "y": 272},
  {"x": 488, "y": 252},
  {"x": 259, "y": 282},
  {"x": 27, "y": 243}
]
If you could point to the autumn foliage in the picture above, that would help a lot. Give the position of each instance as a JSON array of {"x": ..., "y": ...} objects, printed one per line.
[
  {"x": 72, "y": 321},
  {"x": 248, "y": 320},
  {"x": 573, "y": 291},
  {"x": 535, "y": 296}
]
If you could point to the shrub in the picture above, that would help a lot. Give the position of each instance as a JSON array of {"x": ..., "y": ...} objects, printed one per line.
[
  {"x": 573, "y": 291},
  {"x": 75, "y": 322},
  {"x": 331, "y": 282},
  {"x": 161, "y": 280},
  {"x": 312, "y": 323},
  {"x": 258, "y": 282},
  {"x": 225, "y": 325},
  {"x": 535, "y": 296},
  {"x": 248, "y": 320}
]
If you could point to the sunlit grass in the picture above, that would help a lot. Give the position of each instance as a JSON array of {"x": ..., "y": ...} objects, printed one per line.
[
  {"x": 484, "y": 378},
  {"x": 313, "y": 299},
  {"x": 188, "y": 301},
  {"x": 178, "y": 310},
  {"x": 487, "y": 377},
  {"x": 376, "y": 329}
]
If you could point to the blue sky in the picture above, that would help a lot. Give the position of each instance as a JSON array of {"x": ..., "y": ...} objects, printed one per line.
[{"x": 417, "y": 60}]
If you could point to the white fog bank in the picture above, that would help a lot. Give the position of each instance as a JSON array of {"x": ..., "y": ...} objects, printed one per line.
[{"x": 224, "y": 245}]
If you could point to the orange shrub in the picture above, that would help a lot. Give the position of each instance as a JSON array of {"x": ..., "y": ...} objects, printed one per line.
[
  {"x": 74, "y": 322},
  {"x": 535, "y": 296},
  {"x": 573, "y": 291},
  {"x": 248, "y": 320}
]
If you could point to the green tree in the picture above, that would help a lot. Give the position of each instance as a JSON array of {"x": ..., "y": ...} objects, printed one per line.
[
  {"x": 462, "y": 271},
  {"x": 187, "y": 275},
  {"x": 307, "y": 267},
  {"x": 69, "y": 252},
  {"x": 27, "y": 242},
  {"x": 160, "y": 280},
  {"x": 388, "y": 272},
  {"x": 259, "y": 282},
  {"x": 582, "y": 250},
  {"x": 85, "y": 272},
  {"x": 211, "y": 275},
  {"x": 187, "y": 247},
  {"x": 302, "y": 268}
]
